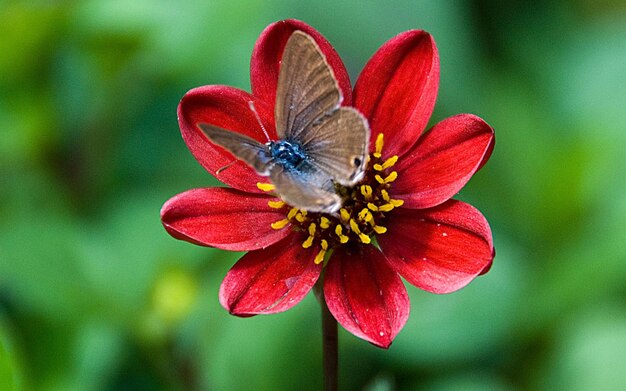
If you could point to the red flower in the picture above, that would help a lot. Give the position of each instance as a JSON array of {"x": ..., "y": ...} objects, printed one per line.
[{"x": 436, "y": 243}]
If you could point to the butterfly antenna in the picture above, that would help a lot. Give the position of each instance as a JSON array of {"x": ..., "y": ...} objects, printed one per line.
[
  {"x": 258, "y": 119},
  {"x": 225, "y": 167}
]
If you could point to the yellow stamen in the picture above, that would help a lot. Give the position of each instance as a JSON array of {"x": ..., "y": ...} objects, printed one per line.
[
  {"x": 301, "y": 216},
  {"x": 391, "y": 177},
  {"x": 354, "y": 226},
  {"x": 390, "y": 162},
  {"x": 379, "y": 229},
  {"x": 365, "y": 239},
  {"x": 379, "y": 143},
  {"x": 396, "y": 203},
  {"x": 366, "y": 215},
  {"x": 366, "y": 190},
  {"x": 345, "y": 216},
  {"x": 386, "y": 207},
  {"x": 308, "y": 242},
  {"x": 372, "y": 207},
  {"x": 379, "y": 179},
  {"x": 275, "y": 204},
  {"x": 292, "y": 213},
  {"x": 378, "y": 167},
  {"x": 339, "y": 231},
  {"x": 385, "y": 195},
  {"x": 280, "y": 224},
  {"x": 320, "y": 256},
  {"x": 324, "y": 222},
  {"x": 312, "y": 229},
  {"x": 265, "y": 186}
]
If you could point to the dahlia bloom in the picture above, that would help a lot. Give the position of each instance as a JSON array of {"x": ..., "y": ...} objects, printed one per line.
[{"x": 404, "y": 202}]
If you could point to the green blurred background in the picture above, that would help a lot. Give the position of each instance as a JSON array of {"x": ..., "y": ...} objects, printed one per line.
[{"x": 94, "y": 295}]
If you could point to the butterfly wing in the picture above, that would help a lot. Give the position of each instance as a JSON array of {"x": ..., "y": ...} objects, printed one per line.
[
  {"x": 306, "y": 188},
  {"x": 307, "y": 89},
  {"x": 338, "y": 145},
  {"x": 242, "y": 147},
  {"x": 308, "y": 112}
]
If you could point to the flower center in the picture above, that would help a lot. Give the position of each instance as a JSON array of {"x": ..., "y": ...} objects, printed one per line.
[{"x": 365, "y": 207}]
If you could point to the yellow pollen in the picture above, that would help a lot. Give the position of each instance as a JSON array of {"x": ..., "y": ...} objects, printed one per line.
[
  {"x": 308, "y": 242},
  {"x": 386, "y": 207},
  {"x": 324, "y": 222},
  {"x": 372, "y": 207},
  {"x": 365, "y": 239},
  {"x": 339, "y": 231},
  {"x": 265, "y": 186},
  {"x": 385, "y": 195},
  {"x": 301, "y": 216},
  {"x": 345, "y": 216},
  {"x": 354, "y": 226},
  {"x": 275, "y": 204},
  {"x": 379, "y": 229},
  {"x": 378, "y": 167},
  {"x": 379, "y": 143},
  {"x": 379, "y": 179},
  {"x": 366, "y": 190},
  {"x": 366, "y": 215},
  {"x": 292, "y": 213},
  {"x": 391, "y": 177},
  {"x": 280, "y": 224},
  {"x": 396, "y": 203},
  {"x": 312, "y": 229},
  {"x": 320, "y": 256},
  {"x": 390, "y": 162}
]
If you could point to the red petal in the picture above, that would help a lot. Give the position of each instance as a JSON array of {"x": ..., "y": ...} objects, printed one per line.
[
  {"x": 365, "y": 295},
  {"x": 397, "y": 89},
  {"x": 228, "y": 108},
  {"x": 442, "y": 161},
  {"x": 270, "y": 280},
  {"x": 268, "y": 51},
  {"x": 223, "y": 218},
  {"x": 441, "y": 249}
]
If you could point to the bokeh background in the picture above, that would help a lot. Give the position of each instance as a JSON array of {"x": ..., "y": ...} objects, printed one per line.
[{"x": 94, "y": 295}]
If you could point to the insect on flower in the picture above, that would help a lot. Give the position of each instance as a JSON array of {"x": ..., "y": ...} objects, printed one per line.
[
  {"x": 335, "y": 184},
  {"x": 321, "y": 144}
]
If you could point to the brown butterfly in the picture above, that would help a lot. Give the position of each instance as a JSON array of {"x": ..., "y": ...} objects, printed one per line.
[{"x": 321, "y": 144}]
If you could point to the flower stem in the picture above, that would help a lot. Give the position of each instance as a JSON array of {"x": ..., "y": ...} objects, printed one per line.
[{"x": 330, "y": 350}]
